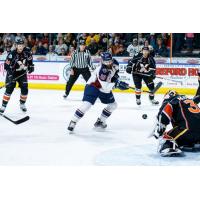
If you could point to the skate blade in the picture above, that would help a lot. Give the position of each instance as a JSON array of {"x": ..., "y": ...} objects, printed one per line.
[
  {"x": 99, "y": 129},
  {"x": 173, "y": 154}
]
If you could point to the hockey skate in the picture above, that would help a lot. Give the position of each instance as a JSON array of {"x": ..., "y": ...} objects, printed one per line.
[
  {"x": 138, "y": 102},
  {"x": 2, "y": 109},
  {"x": 65, "y": 96},
  {"x": 23, "y": 107},
  {"x": 169, "y": 148},
  {"x": 71, "y": 126},
  {"x": 154, "y": 102},
  {"x": 100, "y": 124}
]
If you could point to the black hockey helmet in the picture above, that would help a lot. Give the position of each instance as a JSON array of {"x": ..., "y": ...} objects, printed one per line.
[{"x": 19, "y": 40}]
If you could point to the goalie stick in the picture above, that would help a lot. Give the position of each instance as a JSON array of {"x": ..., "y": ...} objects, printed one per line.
[{"x": 20, "y": 121}]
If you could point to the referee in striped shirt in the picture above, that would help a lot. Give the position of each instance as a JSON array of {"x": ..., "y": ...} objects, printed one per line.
[{"x": 80, "y": 63}]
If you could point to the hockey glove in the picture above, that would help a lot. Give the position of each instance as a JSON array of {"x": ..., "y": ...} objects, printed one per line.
[
  {"x": 31, "y": 69},
  {"x": 129, "y": 69},
  {"x": 122, "y": 85}
]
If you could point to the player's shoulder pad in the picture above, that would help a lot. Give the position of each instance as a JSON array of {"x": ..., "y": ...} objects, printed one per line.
[{"x": 11, "y": 54}]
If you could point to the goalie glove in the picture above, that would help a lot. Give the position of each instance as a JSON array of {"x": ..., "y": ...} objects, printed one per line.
[{"x": 161, "y": 128}]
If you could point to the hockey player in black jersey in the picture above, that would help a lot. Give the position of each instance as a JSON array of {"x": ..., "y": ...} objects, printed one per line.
[
  {"x": 18, "y": 63},
  {"x": 184, "y": 116},
  {"x": 197, "y": 96},
  {"x": 143, "y": 67}
]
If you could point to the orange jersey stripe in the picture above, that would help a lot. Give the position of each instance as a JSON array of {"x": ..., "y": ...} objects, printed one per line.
[
  {"x": 6, "y": 98},
  {"x": 168, "y": 110},
  {"x": 23, "y": 97},
  {"x": 137, "y": 92}
]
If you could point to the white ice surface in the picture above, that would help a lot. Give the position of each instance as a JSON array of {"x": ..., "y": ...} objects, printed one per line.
[{"x": 44, "y": 139}]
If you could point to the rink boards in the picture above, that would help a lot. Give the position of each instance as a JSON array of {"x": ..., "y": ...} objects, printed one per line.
[{"x": 54, "y": 75}]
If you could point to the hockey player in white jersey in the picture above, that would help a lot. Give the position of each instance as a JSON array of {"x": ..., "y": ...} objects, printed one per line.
[{"x": 100, "y": 85}]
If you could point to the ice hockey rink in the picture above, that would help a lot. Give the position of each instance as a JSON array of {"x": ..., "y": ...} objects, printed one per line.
[{"x": 44, "y": 139}]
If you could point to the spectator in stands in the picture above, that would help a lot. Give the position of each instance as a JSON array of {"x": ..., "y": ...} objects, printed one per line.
[
  {"x": 41, "y": 50},
  {"x": 122, "y": 51},
  {"x": 189, "y": 41},
  {"x": 152, "y": 40},
  {"x": 45, "y": 38},
  {"x": 141, "y": 39},
  {"x": 69, "y": 38},
  {"x": 63, "y": 52},
  {"x": 1, "y": 46},
  {"x": 160, "y": 49},
  {"x": 60, "y": 46},
  {"x": 151, "y": 50},
  {"x": 71, "y": 50},
  {"x": 133, "y": 48},
  {"x": 46, "y": 47},
  {"x": 93, "y": 47},
  {"x": 103, "y": 43},
  {"x": 94, "y": 36},
  {"x": 166, "y": 40},
  {"x": 74, "y": 44},
  {"x": 178, "y": 41},
  {"x": 59, "y": 37},
  {"x": 8, "y": 37},
  {"x": 31, "y": 41},
  {"x": 116, "y": 47},
  {"x": 51, "y": 55},
  {"x": 34, "y": 49}
]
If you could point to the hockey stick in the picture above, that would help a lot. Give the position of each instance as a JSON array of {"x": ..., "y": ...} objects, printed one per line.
[
  {"x": 22, "y": 120},
  {"x": 152, "y": 134},
  {"x": 153, "y": 91},
  {"x": 168, "y": 79},
  {"x": 13, "y": 80}
]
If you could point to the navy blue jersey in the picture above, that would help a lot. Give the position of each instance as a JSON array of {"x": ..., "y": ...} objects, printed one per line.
[{"x": 18, "y": 62}]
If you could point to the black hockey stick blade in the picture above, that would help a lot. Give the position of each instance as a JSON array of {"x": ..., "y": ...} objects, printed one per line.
[
  {"x": 133, "y": 88},
  {"x": 20, "y": 121},
  {"x": 157, "y": 87},
  {"x": 2, "y": 86}
]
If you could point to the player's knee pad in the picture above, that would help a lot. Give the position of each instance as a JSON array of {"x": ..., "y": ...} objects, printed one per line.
[
  {"x": 10, "y": 88},
  {"x": 151, "y": 86},
  {"x": 24, "y": 88},
  {"x": 85, "y": 106},
  {"x": 112, "y": 106}
]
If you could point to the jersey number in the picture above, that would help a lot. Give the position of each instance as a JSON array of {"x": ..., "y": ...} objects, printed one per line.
[{"x": 193, "y": 107}]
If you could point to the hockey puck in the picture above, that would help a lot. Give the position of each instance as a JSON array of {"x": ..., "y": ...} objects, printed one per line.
[{"x": 144, "y": 116}]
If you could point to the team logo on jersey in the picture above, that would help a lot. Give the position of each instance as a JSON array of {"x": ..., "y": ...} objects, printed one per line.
[{"x": 66, "y": 72}]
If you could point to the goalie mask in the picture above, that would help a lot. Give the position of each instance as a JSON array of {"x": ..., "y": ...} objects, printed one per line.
[{"x": 170, "y": 94}]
